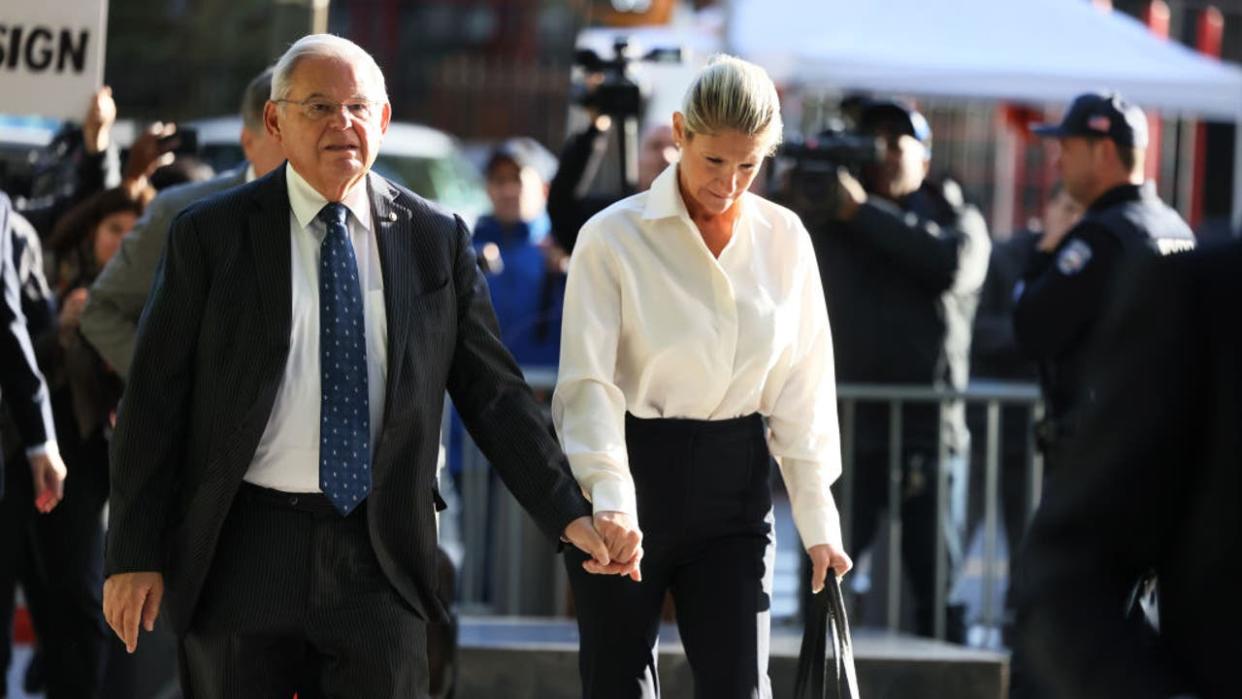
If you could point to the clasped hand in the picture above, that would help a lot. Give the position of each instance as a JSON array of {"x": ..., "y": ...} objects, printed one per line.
[{"x": 612, "y": 540}]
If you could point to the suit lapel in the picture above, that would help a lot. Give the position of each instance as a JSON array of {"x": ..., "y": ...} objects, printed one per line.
[
  {"x": 393, "y": 235},
  {"x": 269, "y": 239}
]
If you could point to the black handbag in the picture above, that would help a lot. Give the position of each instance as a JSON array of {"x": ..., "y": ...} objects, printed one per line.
[{"x": 820, "y": 676}]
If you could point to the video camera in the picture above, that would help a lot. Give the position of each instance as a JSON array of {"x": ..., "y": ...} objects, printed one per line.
[
  {"x": 831, "y": 149},
  {"x": 810, "y": 185},
  {"x": 616, "y": 94}
]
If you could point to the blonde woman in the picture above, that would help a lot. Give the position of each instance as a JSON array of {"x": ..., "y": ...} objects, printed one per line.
[{"x": 696, "y": 348}]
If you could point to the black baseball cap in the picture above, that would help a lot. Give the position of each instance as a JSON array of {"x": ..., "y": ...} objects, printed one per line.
[
  {"x": 1101, "y": 115},
  {"x": 911, "y": 122}
]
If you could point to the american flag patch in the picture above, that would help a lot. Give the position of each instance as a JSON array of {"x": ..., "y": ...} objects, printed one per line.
[{"x": 1099, "y": 123}]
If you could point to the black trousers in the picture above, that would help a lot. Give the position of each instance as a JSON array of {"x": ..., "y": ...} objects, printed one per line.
[
  {"x": 704, "y": 505},
  {"x": 58, "y": 558},
  {"x": 295, "y": 601}
]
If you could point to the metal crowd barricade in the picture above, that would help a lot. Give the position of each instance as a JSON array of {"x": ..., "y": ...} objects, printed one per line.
[
  {"x": 992, "y": 394},
  {"x": 507, "y": 569}
]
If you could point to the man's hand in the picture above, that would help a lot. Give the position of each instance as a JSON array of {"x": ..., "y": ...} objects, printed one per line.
[
  {"x": 97, "y": 126},
  {"x": 851, "y": 195},
  {"x": 621, "y": 533},
  {"x": 823, "y": 557},
  {"x": 48, "y": 472},
  {"x": 130, "y": 598}
]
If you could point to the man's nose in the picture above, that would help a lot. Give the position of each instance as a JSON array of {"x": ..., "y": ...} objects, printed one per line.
[{"x": 341, "y": 118}]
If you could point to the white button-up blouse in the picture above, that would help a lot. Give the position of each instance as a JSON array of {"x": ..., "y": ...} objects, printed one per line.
[{"x": 655, "y": 325}]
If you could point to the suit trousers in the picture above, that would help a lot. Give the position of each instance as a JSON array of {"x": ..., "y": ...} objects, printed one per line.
[
  {"x": 296, "y": 601},
  {"x": 59, "y": 560},
  {"x": 704, "y": 505}
]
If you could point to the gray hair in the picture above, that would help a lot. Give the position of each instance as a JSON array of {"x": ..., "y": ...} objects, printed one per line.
[
  {"x": 254, "y": 99},
  {"x": 732, "y": 94},
  {"x": 327, "y": 45}
]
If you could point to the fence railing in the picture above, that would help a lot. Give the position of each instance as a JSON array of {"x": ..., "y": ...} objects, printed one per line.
[
  {"x": 992, "y": 395},
  {"x": 508, "y": 567}
]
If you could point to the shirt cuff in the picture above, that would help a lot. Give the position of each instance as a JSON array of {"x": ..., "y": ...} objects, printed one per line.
[
  {"x": 817, "y": 526},
  {"x": 614, "y": 496},
  {"x": 48, "y": 448}
]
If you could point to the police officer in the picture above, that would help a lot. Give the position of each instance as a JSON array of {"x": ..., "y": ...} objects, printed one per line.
[
  {"x": 1102, "y": 139},
  {"x": 1102, "y": 142},
  {"x": 902, "y": 263}
]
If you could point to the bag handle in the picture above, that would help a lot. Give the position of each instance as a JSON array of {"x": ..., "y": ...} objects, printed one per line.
[{"x": 826, "y": 620}]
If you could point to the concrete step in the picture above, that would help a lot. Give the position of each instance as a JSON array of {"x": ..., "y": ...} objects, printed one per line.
[{"x": 526, "y": 658}]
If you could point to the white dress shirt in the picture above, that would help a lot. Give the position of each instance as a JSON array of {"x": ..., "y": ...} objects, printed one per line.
[
  {"x": 288, "y": 455},
  {"x": 655, "y": 325}
]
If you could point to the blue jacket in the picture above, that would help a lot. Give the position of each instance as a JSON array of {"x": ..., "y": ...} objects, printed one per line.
[{"x": 527, "y": 297}]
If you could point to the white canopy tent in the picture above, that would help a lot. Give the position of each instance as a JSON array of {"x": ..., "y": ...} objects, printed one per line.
[{"x": 1034, "y": 51}]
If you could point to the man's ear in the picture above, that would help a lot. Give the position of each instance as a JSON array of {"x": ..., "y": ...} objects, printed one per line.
[
  {"x": 270, "y": 122},
  {"x": 385, "y": 117}
]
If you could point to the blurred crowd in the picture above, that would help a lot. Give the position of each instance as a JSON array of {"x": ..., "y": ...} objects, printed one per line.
[{"x": 917, "y": 292}]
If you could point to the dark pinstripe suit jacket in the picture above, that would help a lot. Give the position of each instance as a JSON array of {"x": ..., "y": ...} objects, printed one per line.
[{"x": 211, "y": 351}]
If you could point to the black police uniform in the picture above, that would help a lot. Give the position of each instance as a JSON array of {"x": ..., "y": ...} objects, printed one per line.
[
  {"x": 1056, "y": 319},
  {"x": 1065, "y": 290}
]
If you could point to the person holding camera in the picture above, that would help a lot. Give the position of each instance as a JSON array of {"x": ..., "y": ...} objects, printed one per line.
[
  {"x": 696, "y": 347},
  {"x": 903, "y": 259}
]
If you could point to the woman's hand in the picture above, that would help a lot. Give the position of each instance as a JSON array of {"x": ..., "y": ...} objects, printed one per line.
[
  {"x": 71, "y": 315},
  {"x": 97, "y": 126},
  {"x": 823, "y": 557}
]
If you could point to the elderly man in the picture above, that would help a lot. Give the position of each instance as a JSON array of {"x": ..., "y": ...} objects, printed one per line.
[
  {"x": 110, "y": 319},
  {"x": 274, "y": 459}
]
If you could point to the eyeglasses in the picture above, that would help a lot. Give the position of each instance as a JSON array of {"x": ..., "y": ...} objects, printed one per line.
[{"x": 318, "y": 108}]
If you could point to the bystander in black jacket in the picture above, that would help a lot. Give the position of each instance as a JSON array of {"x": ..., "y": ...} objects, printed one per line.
[
  {"x": 1151, "y": 485},
  {"x": 70, "y": 175},
  {"x": 1066, "y": 290},
  {"x": 570, "y": 203},
  {"x": 902, "y": 284},
  {"x": 21, "y": 382}
]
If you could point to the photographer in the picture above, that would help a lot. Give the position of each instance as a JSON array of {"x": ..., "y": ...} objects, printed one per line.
[{"x": 903, "y": 260}]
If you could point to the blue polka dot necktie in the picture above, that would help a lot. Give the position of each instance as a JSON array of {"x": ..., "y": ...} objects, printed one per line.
[{"x": 344, "y": 413}]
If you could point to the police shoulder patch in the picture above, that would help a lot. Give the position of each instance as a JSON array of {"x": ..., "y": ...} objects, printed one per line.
[{"x": 1074, "y": 257}]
